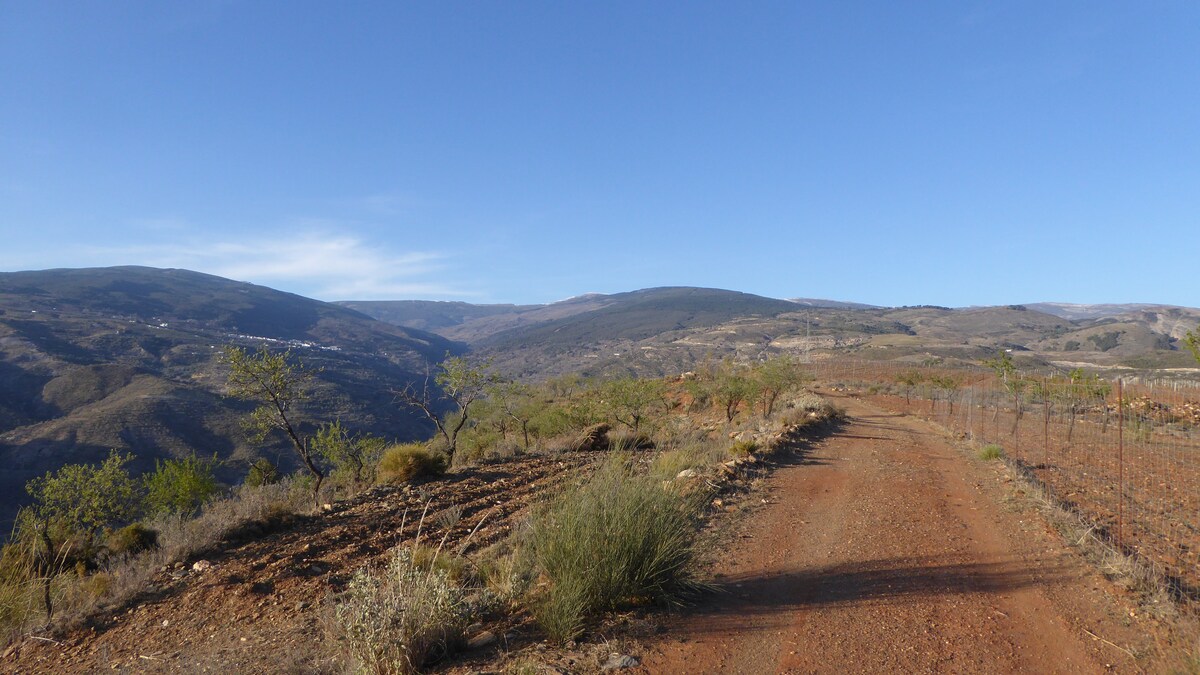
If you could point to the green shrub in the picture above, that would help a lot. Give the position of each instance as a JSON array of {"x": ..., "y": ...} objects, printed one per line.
[
  {"x": 618, "y": 538},
  {"x": 349, "y": 454},
  {"x": 550, "y": 421},
  {"x": 478, "y": 440},
  {"x": 397, "y": 620},
  {"x": 262, "y": 472},
  {"x": 990, "y": 452},
  {"x": 405, "y": 462},
  {"x": 87, "y": 498},
  {"x": 132, "y": 539},
  {"x": 180, "y": 485},
  {"x": 483, "y": 445}
]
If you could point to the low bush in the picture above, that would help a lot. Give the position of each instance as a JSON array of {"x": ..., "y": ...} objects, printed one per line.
[
  {"x": 399, "y": 619},
  {"x": 352, "y": 456},
  {"x": 484, "y": 447},
  {"x": 262, "y": 472},
  {"x": 990, "y": 452},
  {"x": 401, "y": 463},
  {"x": 180, "y": 485},
  {"x": 132, "y": 539},
  {"x": 689, "y": 449},
  {"x": 618, "y": 538}
]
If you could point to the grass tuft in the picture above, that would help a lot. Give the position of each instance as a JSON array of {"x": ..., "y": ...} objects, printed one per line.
[
  {"x": 399, "y": 619},
  {"x": 990, "y": 452},
  {"x": 619, "y": 538},
  {"x": 402, "y": 463},
  {"x": 744, "y": 448}
]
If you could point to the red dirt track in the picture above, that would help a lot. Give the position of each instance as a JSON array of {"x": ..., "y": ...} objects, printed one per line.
[{"x": 887, "y": 550}]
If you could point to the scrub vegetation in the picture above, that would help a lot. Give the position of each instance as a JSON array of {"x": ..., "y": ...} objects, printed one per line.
[{"x": 623, "y": 532}]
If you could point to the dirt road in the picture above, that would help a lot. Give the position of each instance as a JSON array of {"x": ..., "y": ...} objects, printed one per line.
[{"x": 884, "y": 549}]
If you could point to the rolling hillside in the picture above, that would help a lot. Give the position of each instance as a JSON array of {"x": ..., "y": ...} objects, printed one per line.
[
  {"x": 667, "y": 330},
  {"x": 126, "y": 358}
]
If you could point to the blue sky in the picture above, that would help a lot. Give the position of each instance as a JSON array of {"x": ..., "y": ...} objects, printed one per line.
[{"x": 950, "y": 153}]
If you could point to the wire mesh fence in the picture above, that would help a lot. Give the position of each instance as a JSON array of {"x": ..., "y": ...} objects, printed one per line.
[{"x": 1123, "y": 455}]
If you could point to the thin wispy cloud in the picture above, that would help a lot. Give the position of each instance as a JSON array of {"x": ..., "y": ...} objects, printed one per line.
[{"x": 323, "y": 265}]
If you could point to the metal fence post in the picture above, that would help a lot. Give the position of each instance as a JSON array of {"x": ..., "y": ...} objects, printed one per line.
[
  {"x": 1046, "y": 428},
  {"x": 1120, "y": 463}
]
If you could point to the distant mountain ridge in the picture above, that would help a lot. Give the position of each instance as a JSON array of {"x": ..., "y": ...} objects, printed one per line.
[
  {"x": 832, "y": 304},
  {"x": 472, "y": 323},
  {"x": 1073, "y": 311},
  {"x": 665, "y": 329}
]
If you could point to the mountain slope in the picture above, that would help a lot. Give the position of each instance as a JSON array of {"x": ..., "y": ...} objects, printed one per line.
[
  {"x": 1073, "y": 311},
  {"x": 642, "y": 314},
  {"x": 430, "y": 315},
  {"x": 667, "y": 330},
  {"x": 127, "y": 358},
  {"x": 469, "y": 323}
]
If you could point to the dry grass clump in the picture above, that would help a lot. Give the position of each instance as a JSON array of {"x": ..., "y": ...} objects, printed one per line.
[
  {"x": 744, "y": 448},
  {"x": 20, "y": 596},
  {"x": 668, "y": 464},
  {"x": 506, "y": 571},
  {"x": 618, "y": 538},
  {"x": 402, "y": 463},
  {"x": 808, "y": 408},
  {"x": 630, "y": 441},
  {"x": 990, "y": 452},
  {"x": 696, "y": 452},
  {"x": 399, "y": 619}
]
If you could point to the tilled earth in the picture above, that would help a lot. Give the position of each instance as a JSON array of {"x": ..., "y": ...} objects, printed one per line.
[
  {"x": 886, "y": 550},
  {"x": 259, "y": 608}
]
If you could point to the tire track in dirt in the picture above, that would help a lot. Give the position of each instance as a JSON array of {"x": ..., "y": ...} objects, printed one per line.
[{"x": 884, "y": 549}]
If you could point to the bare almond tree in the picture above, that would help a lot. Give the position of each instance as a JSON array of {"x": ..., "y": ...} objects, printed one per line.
[
  {"x": 458, "y": 382},
  {"x": 277, "y": 385}
]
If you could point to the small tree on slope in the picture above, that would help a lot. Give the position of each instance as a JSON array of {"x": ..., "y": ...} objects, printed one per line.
[{"x": 277, "y": 385}]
